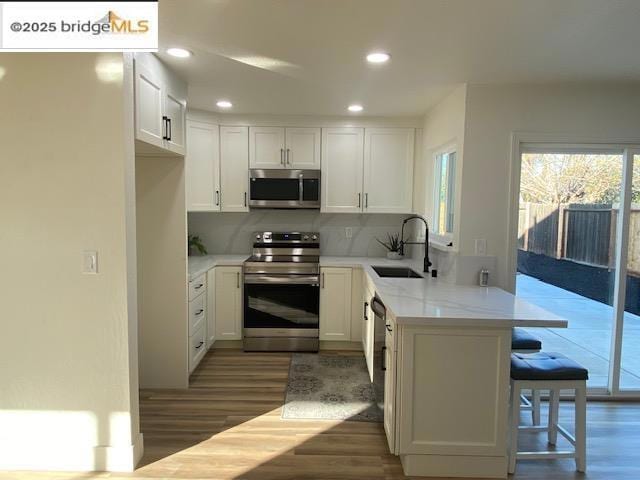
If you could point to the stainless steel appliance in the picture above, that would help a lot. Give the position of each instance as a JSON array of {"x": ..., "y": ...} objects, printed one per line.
[
  {"x": 282, "y": 292},
  {"x": 284, "y": 188},
  {"x": 379, "y": 349}
]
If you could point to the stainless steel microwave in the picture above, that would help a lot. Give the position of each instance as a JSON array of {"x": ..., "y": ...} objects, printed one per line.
[{"x": 284, "y": 188}]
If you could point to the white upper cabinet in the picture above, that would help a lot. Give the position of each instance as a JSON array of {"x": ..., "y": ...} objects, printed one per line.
[
  {"x": 266, "y": 147},
  {"x": 302, "y": 148},
  {"x": 342, "y": 167},
  {"x": 279, "y": 147},
  {"x": 388, "y": 170},
  {"x": 203, "y": 167},
  {"x": 234, "y": 169},
  {"x": 160, "y": 106}
]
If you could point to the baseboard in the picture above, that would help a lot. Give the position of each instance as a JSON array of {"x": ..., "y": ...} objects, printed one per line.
[
  {"x": 220, "y": 344},
  {"x": 336, "y": 345},
  {"x": 460, "y": 466},
  {"x": 71, "y": 458}
]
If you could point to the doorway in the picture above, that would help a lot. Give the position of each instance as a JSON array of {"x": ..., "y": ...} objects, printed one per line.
[{"x": 578, "y": 255}]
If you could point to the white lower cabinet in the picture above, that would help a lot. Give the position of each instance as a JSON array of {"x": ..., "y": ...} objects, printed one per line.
[
  {"x": 368, "y": 330},
  {"x": 211, "y": 310},
  {"x": 228, "y": 303},
  {"x": 197, "y": 347},
  {"x": 390, "y": 385},
  {"x": 197, "y": 320},
  {"x": 335, "y": 304}
]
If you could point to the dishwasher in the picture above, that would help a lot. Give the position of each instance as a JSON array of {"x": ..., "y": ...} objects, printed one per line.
[{"x": 379, "y": 367}]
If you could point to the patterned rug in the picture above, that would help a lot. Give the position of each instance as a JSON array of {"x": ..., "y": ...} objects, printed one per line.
[{"x": 330, "y": 387}]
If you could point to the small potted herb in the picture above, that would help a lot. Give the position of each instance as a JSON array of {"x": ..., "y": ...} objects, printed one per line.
[
  {"x": 195, "y": 243},
  {"x": 393, "y": 246}
]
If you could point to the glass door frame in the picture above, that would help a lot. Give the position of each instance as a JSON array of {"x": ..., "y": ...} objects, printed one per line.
[{"x": 524, "y": 143}]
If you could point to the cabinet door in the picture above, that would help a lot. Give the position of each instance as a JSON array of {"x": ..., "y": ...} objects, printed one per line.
[
  {"x": 390, "y": 392},
  {"x": 149, "y": 105},
  {"x": 266, "y": 147},
  {"x": 234, "y": 169},
  {"x": 388, "y": 170},
  {"x": 335, "y": 304},
  {"x": 368, "y": 336},
  {"x": 203, "y": 167},
  {"x": 342, "y": 159},
  {"x": 211, "y": 311},
  {"x": 303, "y": 148},
  {"x": 175, "y": 109},
  {"x": 228, "y": 303}
]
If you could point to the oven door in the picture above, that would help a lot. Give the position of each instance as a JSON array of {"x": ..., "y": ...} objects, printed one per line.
[
  {"x": 281, "y": 305},
  {"x": 284, "y": 188}
]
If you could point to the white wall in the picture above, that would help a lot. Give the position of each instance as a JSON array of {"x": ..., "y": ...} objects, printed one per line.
[
  {"x": 579, "y": 113},
  {"x": 68, "y": 399}
]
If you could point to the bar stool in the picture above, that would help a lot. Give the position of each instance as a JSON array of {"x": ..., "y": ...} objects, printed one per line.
[
  {"x": 553, "y": 372},
  {"x": 523, "y": 342}
]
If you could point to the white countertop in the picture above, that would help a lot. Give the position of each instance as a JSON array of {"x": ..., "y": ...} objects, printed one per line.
[{"x": 426, "y": 301}]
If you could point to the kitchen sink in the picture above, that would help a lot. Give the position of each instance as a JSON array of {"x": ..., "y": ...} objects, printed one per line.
[{"x": 396, "y": 272}]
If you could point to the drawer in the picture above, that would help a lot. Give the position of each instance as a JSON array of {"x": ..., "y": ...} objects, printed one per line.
[
  {"x": 197, "y": 313},
  {"x": 197, "y": 348},
  {"x": 197, "y": 286}
]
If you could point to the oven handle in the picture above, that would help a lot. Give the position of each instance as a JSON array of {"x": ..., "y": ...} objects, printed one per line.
[{"x": 259, "y": 279}]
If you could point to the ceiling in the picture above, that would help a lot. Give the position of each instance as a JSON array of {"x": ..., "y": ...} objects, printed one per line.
[{"x": 307, "y": 56}]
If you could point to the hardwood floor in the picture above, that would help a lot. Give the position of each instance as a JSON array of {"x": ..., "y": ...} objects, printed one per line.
[{"x": 227, "y": 425}]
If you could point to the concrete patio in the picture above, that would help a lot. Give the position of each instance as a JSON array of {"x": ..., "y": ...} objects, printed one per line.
[{"x": 588, "y": 338}]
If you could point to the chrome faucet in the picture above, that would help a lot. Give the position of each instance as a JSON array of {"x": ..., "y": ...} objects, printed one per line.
[{"x": 427, "y": 263}]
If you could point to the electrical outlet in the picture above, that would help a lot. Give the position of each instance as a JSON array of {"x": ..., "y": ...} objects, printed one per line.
[
  {"x": 90, "y": 262},
  {"x": 348, "y": 232},
  {"x": 481, "y": 246}
]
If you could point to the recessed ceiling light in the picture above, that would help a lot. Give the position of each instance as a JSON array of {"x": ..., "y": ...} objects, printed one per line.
[
  {"x": 355, "y": 108},
  {"x": 378, "y": 57},
  {"x": 178, "y": 52},
  {"x": 224, "y": 104}
]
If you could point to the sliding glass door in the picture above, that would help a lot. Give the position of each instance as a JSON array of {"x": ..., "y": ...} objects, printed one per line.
[{"x": 579, "y": 255}]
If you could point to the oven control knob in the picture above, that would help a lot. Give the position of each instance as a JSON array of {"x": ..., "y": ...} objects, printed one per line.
[
  {"x": 315, "y": 237},
  {"x": 306, "y": 237},
  {"x": 258, "y": 237}
]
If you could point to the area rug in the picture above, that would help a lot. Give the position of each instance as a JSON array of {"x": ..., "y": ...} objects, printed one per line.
[{"x": 330, "y": 387}]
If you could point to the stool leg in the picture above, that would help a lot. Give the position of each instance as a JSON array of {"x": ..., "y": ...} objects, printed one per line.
[
  {"x": 535, "y": 407},
  {"x": 554, "y": 407},
  {"x": 515, "y": 422},
  {"x": 581, "y": 428}
]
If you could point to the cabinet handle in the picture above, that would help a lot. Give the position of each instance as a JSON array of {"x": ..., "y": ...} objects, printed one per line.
[
  {"x": 245, "y": 199},
  {"x": 389, "y": 329},
  {"x": 199, "y": 286},
  {"x": 164, "y": 127},
  {"x": 323, "y": 280},
  {"x": 199, "y": 312},
  {"x": 200, "y": 345},
  {"x": 282, "y": 156},
  {"x": 383, "y": 365},
  {"x": 217, "y": 198},
  {"x": 237, "y": 279},
  {"x": 366, "y": 200},
  {"x": 169, "y": 129},
  {"x": 288, "y": 159},
  {"x": 366, "y": 304},
  {"x": 359, "y": 198}
]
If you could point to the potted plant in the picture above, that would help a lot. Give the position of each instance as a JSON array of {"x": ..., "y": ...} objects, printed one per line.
[
  {"x": 392, "y": 245},
  {"x": 195, "y": 243}
]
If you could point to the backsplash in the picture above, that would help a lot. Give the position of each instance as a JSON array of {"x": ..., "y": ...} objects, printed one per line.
[{"x": 232, "y": 233}]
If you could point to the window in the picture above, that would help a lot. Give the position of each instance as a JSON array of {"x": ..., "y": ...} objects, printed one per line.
[{"x": 445, "y": 180}]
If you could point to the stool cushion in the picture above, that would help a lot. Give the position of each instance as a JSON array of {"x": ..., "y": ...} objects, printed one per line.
[
  {"x": 545, "y": 366},
  {"x": 523, "y": 340}
]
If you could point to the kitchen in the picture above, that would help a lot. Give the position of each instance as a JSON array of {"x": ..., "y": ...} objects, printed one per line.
[{"x": 266, "y": 251}]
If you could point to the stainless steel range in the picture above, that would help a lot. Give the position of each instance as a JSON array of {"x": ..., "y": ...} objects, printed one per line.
[{"x": 282, "y": 292}]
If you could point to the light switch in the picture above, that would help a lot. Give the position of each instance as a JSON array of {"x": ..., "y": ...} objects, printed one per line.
[
  {"x": 481, "y": 246},
  {"x": 90, "y": 262},
  {"x": 348, "y": 232}
]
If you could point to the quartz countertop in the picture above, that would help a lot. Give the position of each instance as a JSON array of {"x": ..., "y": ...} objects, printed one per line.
[
  {"x": 432, "y": 301},
  {"x": 424, "y": 301},
  {"x": 199, "y": 264}
]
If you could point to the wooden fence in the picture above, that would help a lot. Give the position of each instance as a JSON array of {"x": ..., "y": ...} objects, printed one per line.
[{"x": 580, "y": 232}]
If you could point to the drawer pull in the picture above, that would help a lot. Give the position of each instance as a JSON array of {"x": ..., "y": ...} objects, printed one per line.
[
  {"x": 199, "y": 345},
  {"x": 383, "y": 359},
  {"x": 199, "y": 312},
  {"x": 199, "y": 286},
  {"x": 389, "y": 329},
  {"x": 366, "y": 305}
]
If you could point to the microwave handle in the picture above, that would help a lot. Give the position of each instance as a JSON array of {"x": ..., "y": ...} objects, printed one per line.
[{"x": 301, "y": 187}]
